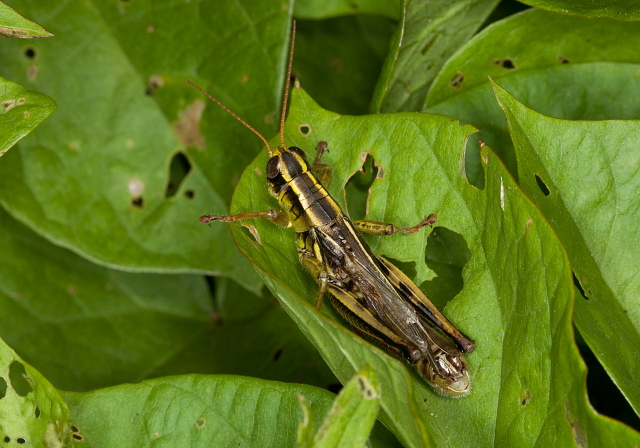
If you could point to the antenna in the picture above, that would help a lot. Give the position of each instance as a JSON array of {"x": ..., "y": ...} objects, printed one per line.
[
  {"x": 247, "y": 125},
  {"x": 287, "y": 83}
]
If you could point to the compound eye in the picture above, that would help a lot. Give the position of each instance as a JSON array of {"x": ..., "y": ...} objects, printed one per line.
[
  {"x": 297, "y": 151},
  {"x": 273, "y": 167}
]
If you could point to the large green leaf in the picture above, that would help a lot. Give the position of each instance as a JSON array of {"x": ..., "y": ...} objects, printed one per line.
[
  {"x": 563, "y": 66},
  {"x": 422, "y": 43},
  {"x": 85, "y": 326},
  {"x": 528, "y": 380},
  {"x": 194, "y": 411},
  {"x": 20, "y": 112},
  {"x": 32, "y": 413},
  {"x": 585, "y": 178},
  {"x": 96, "y": 178}
]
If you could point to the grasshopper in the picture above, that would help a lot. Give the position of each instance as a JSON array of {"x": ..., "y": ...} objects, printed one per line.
[{"x": 380, "y": 302}]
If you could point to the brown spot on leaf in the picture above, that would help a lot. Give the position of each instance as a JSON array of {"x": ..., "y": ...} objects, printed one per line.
[
  {"x": 254, "y": 232},
  {"x": 32, "y": 72},
  {"x": 154, "y": 83},
  {"x": 188, "y": 125},
  {"x": 13, "y": 32},
  {"x": 579, "y": 435},
  {"x": 457, "y": 80},
  {"x": 528, "y": 224}
]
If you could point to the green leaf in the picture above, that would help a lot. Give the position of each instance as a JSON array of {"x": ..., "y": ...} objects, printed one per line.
[
  {"x": 32, "y": 413},
  {"x": 194, "y": 411},
  {"x": 99, "y": 170},
  {"x": 584, "y": 177},
  {"x": 252, "y": 336},
  {"x": 423, "y": 42},
  {"x": 603, "y": 9},
  {"x": 12, "y": 24},
  {"x": 551, "y": 62},
  {"x": 20, "y": 112},
  {"x": 353, "y": 413},
  {"x": 310, "y": 9},
  {"x": 528, "y": 380}
]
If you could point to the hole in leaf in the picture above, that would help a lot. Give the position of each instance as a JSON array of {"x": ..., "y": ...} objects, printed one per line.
[
  {"x": 407, "y": 267},
  {"x": 357, "y": 188},
  {"x": 526, "y": 398},
  {"x": 7, "y": 439},
  {"x": 21, "y": 440},
  {"x": 447, "y": 253},
  {"x": 137, "y": 202},
  {"x": 457, "y": 80},
  {"x": 37, "y": 412},
  {"x": 429, "y": 45},
  {"x": 30, "y": 53},
  {"x": 563, "y": 60},
  {"x": 178, "y": 171},
  {"x": 200, "y": 422},
  {"x": 542, "y": 186},
  {"x": 78, "y": 437},
  {"x": 189, "y": 194},
  {"x": 3, "y": 388},
  {"x": 18, "y": 378},
  {"x": 505, "y": 63},
  {"x": 304, "y": 130},
  {"x": 277, "y": 354}
]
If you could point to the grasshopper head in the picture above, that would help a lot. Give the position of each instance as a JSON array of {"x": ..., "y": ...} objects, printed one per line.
[
  {"x": 448, "y": 376},
  {"x": 285, "y": 164}
]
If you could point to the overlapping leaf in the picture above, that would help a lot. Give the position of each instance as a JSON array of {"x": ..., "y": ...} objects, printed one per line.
[
  {"x": 603, "y": 9},
  {"x": 20, "y": 112},
  {"x": 585, "y": 177},
  {"x": 422, "y": 43},
  {"x": 562, "y": 66}
]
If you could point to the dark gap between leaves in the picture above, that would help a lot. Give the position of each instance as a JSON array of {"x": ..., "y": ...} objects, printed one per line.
[{"x": 604, "y": 395}]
